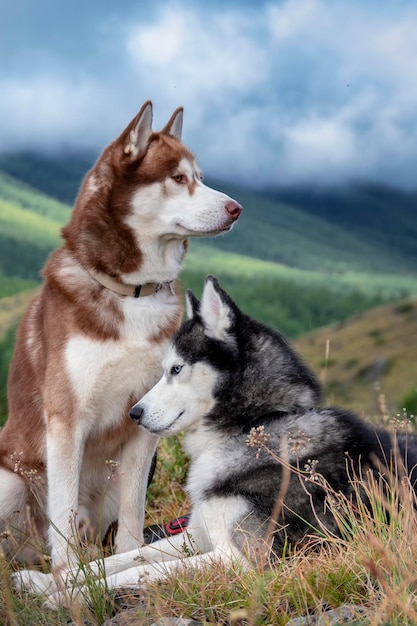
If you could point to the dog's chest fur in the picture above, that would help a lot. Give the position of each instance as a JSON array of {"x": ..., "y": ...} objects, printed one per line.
[
  {"x": 213, "y": 457},
  {"x": 109, "y": 371}
]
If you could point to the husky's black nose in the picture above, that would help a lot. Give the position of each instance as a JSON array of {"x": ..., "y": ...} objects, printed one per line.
[{"x": 136, "y": 413}]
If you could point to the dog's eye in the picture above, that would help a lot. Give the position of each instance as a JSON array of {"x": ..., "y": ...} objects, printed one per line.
[
  {"x": 176, "y": 369},
  {"x": 180, "y": 179}
]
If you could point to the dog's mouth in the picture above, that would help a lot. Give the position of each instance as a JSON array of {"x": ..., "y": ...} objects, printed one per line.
[
  {"x": 190, "y": 232},
  {"x": 166, "y": 430},
  {"x": 227, "y": 228}
]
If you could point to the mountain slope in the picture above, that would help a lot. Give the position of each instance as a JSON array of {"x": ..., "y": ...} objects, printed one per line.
[
  {"x": 287, "y": 234},
  {"x": 325, "y": 277},
  {"x": 292, "y": 299},
  {"x": 358, "y": 229},
  {"x": 57, "y": 175},
  {"x": 29, "y": 228},
  {"x": 370, "y": 354},
  {"x": 380, "y": 214}
]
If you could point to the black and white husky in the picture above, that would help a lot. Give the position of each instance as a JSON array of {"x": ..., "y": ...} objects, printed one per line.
[{"x": 230, "y": 381}]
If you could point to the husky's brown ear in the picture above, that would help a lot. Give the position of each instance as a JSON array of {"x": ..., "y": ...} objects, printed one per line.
[
  {"x": 174, "y": 126},
  {"x": 192, "y": 305},
  {"x": 136, "y": 135},
  {"x": 215, "y": 310}
]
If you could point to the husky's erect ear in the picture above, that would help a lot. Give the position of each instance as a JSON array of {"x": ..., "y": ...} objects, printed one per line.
[
  {"x": 174, "y": 126},
  {"x": 215, "y": 310},
  {"x": 136, "y": 135},
  {"x": 192, "y": 305}
]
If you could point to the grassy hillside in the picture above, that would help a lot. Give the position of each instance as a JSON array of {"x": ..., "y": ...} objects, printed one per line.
[
  {"x": 284, "y": 232},
  {"x": 29, "y": 230},
  {"x": 55, "y": 175},
  {"x": 372, "y": 353},
  {"x": 294, "y": 299},
  {"x": 370, "y": 212},
  {"x": 359, "y": 229},
  {"x": 10, "y": 285},
  {"x": 206, "y": 257}
]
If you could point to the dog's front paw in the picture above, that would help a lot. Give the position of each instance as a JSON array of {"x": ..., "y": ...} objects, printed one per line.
[{"x": 33, "y": 582}]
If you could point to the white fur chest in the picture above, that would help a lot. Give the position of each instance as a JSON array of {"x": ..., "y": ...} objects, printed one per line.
[
  {"x": 207, "y": 461},
  {"x": 105, "y": 374},
  {"x": 145, "y": 317}
]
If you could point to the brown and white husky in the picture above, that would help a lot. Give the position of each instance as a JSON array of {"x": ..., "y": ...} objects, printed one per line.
[{"x": 92, "y": 343}]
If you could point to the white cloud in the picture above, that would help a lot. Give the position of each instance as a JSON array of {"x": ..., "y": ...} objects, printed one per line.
[
  {"x": 276, "y": 92},
  {"x": 50, "y": 110},
  {"x": 200, "y": 55},
  {"x": 286, "y": 20},
  {"x": 300, "y": 90}
]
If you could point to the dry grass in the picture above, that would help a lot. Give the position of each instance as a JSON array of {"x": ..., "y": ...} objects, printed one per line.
[{"x": 373, "y": 565}]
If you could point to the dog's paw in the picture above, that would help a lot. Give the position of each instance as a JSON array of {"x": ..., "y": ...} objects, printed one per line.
[{"x": 33, "y": 582}]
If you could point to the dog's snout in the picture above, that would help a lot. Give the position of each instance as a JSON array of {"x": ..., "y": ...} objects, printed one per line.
[
  {"x": 233, "y": 208},
  {"x": 136, "y": 413}
]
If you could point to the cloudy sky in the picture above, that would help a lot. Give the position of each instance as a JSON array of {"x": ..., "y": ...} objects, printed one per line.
[{"x": 275, "y": 92}]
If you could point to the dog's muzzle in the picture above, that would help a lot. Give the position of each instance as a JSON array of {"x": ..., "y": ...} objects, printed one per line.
[{"x": 136, "y": 413}]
